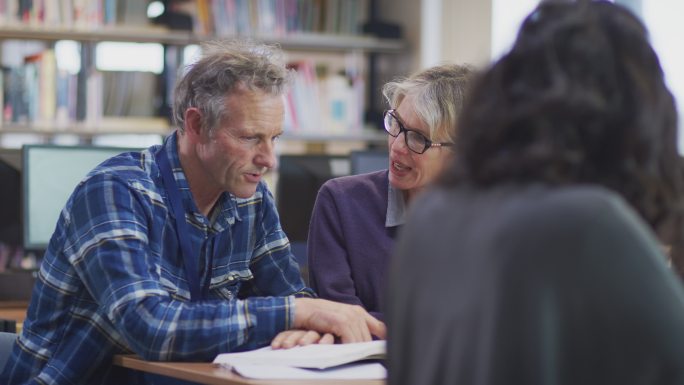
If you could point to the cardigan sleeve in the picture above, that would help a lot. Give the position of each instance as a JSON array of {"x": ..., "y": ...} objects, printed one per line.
[{"x": 329, "y": 269}]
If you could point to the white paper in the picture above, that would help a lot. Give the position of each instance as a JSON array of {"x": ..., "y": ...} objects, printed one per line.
[
  {"x": 311, "y": 356},
  {"x": 359, "y": 371}
]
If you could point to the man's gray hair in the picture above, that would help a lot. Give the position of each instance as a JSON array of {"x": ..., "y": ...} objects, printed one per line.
[
  {"x": 224, "y": 68},
  {"x": 438, "y": 95}
]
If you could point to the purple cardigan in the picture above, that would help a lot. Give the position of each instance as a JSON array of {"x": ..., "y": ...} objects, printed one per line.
[{"x": 349, "y": 246}]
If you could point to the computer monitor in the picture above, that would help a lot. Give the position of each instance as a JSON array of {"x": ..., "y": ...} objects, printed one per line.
[
  {"x": 365, "y": 161},
  {"x": 10, "y": 197},
  {"x": 50, "y": 174},
  {"x": 299, "y": 179}
]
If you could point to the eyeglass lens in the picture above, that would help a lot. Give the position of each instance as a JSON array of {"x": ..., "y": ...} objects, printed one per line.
[{"x": 415, "y": 141}]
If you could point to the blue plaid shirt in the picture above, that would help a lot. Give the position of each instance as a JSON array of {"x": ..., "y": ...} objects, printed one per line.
[{"x": 112, "y": 280}]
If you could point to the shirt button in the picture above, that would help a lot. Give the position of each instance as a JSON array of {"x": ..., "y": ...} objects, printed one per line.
[{"x": 231, "y": 278}]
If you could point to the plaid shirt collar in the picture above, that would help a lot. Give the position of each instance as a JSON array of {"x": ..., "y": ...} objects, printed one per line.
[{"x": 225, "y": 212}]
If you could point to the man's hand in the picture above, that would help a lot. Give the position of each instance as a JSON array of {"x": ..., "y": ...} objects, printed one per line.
[
  {"x": 291, "y": 338},
  {"x": 350, "y": 323}
]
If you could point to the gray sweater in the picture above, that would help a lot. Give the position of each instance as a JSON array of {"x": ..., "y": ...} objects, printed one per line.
[{"x": 532, "y": 285}]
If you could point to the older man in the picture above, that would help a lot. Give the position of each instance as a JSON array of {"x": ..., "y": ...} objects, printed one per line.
[{"x": 176, "y": 252}]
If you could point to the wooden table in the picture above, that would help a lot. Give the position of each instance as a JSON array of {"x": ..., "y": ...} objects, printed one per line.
[
  {"x": 211, "y": 374},
  {"x": 14, "y": 310}
]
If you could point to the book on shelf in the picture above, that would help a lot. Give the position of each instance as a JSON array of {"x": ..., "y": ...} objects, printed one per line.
[
  {"x": 14, "y": 100},
  {"x": 77, "y": 14},
  {"x": 94, "y": 108},
  {"x": 47, "y": 86},
  {"x": 324, "y": 101},
  {"x": 278, "y": 17},
  {"x": 129, "y": 93},
  {"x": 129, "y": 12},
  {"x": 36, "y": 92}
]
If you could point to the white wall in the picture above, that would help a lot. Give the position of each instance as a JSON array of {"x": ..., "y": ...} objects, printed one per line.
[
  {"x": 441, "y": 31},
  {"x": 664, "y": 21},
  {"x": 457, "y": 31},
  {"x": 507, "y": 16}
]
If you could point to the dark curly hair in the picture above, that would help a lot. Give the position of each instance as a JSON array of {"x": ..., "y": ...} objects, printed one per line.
[{"x": 580, "y": 98}]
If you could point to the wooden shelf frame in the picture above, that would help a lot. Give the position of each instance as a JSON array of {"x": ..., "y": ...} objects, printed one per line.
[
  {"x": 302, "y": 41},
  {"x": 155, "y": 127}
]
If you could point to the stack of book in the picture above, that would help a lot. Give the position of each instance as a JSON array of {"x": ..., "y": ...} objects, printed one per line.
[
  {"x": 278, "y": 17},
  {"x": 73, "y": 14},
  {"x": 322, "y": 101}
]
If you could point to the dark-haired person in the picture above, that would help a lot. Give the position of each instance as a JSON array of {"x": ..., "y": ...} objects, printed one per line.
[
  {"x": 355, "y": 218},
  {"x": 536, "y": 259},
  {"x": 176, "y": 253}
]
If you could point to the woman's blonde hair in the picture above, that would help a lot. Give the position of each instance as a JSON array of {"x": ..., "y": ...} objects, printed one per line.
[{"x": 438, "y": 94}]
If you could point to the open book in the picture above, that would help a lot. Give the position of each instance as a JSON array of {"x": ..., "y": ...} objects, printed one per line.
[{"x": 311, "y": 356}]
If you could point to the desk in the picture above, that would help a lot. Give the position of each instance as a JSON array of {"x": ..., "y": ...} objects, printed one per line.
[
  {"x": 14, "y": 310},
  {"x": 210, "y": 374}
]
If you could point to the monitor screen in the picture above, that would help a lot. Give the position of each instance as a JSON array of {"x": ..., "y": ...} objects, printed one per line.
[
  {"x": 50, "y": 174},
  {"x": 10, "y": 197},
  {"x": 368, "y": 161}
]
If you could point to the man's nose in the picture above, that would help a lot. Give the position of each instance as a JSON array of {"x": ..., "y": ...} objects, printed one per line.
[{"x": 267, "y": 156}]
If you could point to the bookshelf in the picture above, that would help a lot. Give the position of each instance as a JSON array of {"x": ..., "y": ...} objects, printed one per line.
[{"x": 298, "y": 40}]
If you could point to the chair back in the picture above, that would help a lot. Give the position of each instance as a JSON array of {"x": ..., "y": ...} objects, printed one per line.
[{"x": 6, "y": 343}]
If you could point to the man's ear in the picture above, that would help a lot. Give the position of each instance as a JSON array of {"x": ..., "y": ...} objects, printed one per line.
[{"x": 193, "y": 122}]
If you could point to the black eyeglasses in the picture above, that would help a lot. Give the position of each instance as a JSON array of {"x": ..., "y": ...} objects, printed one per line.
[{"x": 415, "y": 141}]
